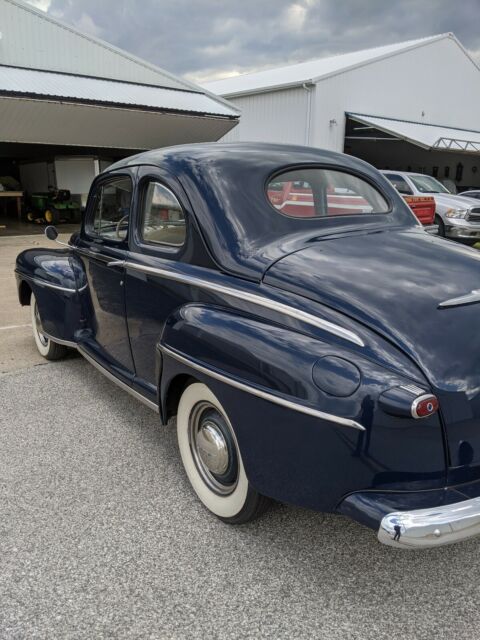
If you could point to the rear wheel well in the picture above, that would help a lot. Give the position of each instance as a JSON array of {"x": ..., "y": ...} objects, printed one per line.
[
  {"x": 175, "y": 389},
  {"x": 25, "y": 293}
]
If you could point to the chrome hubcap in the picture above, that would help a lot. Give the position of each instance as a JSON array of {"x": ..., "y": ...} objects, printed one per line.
[
  {"x": 213, "y": 448},
  {"x": 38, "y": 326}
]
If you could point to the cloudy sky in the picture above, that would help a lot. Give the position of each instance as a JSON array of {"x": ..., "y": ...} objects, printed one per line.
[{"x": 210, "y": 39}]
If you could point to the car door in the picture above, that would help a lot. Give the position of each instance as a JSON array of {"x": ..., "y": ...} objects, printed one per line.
[
  {"x": 102, "y": 247},
  {"x": 164, "y": 237}
]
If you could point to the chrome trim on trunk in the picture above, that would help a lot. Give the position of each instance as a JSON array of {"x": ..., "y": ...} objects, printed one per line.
[
  {"x": 265, "y": 395},
  {"x": 468, "y": 298},
  {"x": 254, "y": 298}
]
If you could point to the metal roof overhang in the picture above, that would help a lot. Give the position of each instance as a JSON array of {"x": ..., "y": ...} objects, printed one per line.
[
  {"x": 428, "y": 136},
  {"x": 40, "y": 107}
]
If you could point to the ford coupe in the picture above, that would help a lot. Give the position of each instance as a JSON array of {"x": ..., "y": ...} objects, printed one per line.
[{"x": 324, "y": 354}]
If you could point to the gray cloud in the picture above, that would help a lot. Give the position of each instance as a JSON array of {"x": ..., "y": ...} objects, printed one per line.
[{"x": 205, "y": 39}]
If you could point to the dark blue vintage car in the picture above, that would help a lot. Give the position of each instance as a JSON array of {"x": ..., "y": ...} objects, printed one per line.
[{"x": 317, "y": 346}]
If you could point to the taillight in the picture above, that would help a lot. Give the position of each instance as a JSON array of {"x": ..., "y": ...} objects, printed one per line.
[
  {"x": 424, "y": 406},
  {"x": 408, "y": 401}
]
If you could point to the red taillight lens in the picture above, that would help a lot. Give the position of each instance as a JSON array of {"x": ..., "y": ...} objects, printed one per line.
[{"x": 424, "y": 406}]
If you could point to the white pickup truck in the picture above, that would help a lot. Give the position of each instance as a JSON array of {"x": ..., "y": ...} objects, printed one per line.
[{"x": 457, "y": 217}]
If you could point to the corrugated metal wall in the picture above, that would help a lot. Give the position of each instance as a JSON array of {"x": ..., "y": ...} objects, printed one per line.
[
  {"x": 30, "y": 39},
  {"x": 434, "y": 84},
  {"x": 277, "y": 116}
]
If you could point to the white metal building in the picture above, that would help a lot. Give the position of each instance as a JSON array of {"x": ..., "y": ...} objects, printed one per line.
[
  {"x": 410, "y": 106},
  {"x": 70, "y": 103}
]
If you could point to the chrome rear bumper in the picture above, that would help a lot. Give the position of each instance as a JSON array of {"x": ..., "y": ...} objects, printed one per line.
[{"x": 431, "y": 527}]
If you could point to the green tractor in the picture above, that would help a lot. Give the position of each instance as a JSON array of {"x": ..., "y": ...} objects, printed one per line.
[{"x": 53, "y": 207}]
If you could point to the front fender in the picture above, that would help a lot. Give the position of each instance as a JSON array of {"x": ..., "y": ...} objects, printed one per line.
[
  {"x": 55, "y": 277},
  {"x": 313, "y": 453}
]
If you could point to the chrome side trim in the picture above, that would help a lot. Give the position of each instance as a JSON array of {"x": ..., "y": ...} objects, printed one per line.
[
  {"x": 65, "y": 343},
  {"x": 93, "y": 254},
  {"x": 468, "y": 298},
  {"x": 270, "y": 397},
  {"x": 433, "y": 527},
  {"x": 118, "y": 382},
  {"x": 44, "y": 283},
  {"x": 254, "y": 298}
]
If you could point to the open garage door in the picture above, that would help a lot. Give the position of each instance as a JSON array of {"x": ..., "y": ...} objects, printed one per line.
[
  {"x": 59, "y": 130},
  {"x": 447, "y": 153}
]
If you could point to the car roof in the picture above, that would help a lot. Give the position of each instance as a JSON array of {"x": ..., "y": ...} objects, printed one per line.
[
  {"x": 226, "y": 186},
  {"x": 232, "y": 150}
]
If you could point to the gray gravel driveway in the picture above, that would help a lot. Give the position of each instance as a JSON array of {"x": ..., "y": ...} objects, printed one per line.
[{"x": 102, "y": 537}]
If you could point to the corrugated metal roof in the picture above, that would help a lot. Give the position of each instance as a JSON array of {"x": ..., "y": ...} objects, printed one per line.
[
  {"x": 426, "y": 135},
  {"x": 46, "y": 84},
  {"x": 310, "y": 71}
]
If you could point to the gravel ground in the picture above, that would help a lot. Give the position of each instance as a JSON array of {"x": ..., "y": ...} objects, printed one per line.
[{"x": 102, "y": 537}]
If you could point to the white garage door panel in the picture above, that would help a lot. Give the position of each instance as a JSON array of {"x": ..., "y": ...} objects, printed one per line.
[
  {"x": 75, "y": 174},
  {"x": 43, "y": 122}
]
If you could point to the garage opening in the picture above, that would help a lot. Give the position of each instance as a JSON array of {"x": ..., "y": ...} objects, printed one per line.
[
  {"x": 44, "y": 184},
  {"x": 451, "y": 155}
]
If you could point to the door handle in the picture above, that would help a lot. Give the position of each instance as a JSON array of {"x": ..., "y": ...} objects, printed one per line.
[{"x": 116, "y": 263}]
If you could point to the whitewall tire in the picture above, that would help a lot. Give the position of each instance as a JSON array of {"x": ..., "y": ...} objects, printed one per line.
[
  {"x": 46, "y": 347},
  {"x": 212, "y": 459}
]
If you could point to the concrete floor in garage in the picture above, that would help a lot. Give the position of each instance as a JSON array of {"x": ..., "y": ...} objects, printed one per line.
[{"x": 102, "y": 537}]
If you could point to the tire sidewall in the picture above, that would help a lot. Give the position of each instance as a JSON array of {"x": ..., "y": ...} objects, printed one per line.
[
  {"x": 222, "y": 506},
  {"x": 43, "y": 349}
]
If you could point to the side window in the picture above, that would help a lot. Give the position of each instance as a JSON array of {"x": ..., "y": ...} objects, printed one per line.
[
  {"x": 400, "y": 184},
  {"x": 163, "y": 220},
  {"x": 112, "y": 209}
]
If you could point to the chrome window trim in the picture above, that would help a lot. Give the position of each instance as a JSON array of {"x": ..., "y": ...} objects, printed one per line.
[
  {"x": 118, "y": 382},
  {"x": 270, "y": 397},
  {"x": 141, "y": 225},
  {"x": 254, "y": 298}
]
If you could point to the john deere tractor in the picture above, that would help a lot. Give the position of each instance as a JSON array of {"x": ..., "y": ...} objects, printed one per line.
[{"x": 53, "y": 207}]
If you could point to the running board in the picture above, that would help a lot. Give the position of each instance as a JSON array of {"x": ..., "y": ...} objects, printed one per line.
[{"x": 117, "y": 381}]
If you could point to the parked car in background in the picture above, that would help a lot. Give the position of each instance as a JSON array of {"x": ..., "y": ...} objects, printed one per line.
[
  {"x": 314, "y": 359},
  {"x": 474, "y": 193},
  {"x": 296, "y": 198},
  {"x": 457, "y": 217}
]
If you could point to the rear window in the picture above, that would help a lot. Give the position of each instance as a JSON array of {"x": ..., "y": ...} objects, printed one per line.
[{"x": 318, "y": 193}]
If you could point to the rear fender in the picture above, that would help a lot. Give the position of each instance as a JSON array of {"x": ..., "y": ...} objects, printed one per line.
[{"x": 311, "y": 452}]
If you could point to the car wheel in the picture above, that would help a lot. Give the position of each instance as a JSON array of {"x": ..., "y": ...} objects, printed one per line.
[
  {"x": 441, "y": 226},
  {"x": 52, "y": 216},
  {"x": 212, "y": 459},
  {"x": 46, "y": 347}
]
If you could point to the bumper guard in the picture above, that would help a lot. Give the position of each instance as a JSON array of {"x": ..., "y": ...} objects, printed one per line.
[{"x": 433, "y": 527}]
